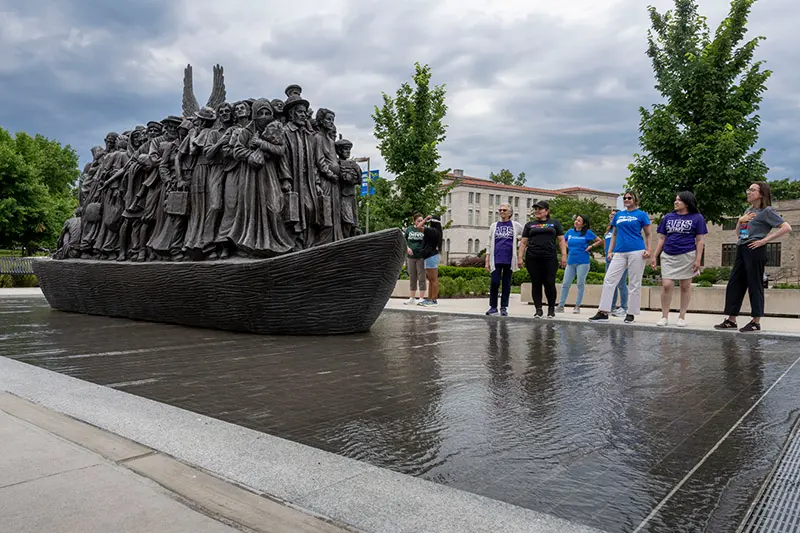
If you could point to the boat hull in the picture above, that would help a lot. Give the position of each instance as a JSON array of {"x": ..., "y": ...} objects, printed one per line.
[{"x": 336, "y": 288}]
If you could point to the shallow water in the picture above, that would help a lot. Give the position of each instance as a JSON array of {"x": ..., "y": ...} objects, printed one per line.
[{"x": 592, "y": 424}]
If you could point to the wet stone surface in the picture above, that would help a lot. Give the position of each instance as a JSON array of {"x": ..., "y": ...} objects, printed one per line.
[{"x": 595, "y": 425}]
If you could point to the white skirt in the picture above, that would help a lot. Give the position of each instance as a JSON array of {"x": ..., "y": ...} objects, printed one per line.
[{"x": 678, "y": 267}]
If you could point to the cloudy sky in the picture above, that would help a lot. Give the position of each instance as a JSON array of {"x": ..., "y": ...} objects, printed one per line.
[{"x": 548, "y": 88}]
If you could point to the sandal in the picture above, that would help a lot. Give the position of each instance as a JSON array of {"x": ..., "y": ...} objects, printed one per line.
[{"x": 726, "y": 324}]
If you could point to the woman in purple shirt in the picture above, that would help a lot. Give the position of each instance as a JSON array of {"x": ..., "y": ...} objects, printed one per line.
[{"x": 680, "y": 237}]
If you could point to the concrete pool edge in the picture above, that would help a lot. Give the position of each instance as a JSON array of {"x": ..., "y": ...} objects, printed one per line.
[{"x": 344, "y": 490}]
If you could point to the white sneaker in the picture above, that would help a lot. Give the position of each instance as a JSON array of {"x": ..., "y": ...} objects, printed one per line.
[
  {"x": 681, "y": 323},
  {"x": 619, "y": 311},
  {"x": 410, "y": 301},
  {"x": 662, "y": 321}
]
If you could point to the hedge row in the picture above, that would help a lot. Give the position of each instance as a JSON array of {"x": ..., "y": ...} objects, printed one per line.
[{"x": 8, "y": 281}]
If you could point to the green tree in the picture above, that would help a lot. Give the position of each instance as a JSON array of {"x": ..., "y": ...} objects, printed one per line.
[
  {"x": 409, "y": 129},
  {"x": 785, "y": 189},
  {"x": 566, "y": 208},
  {"x": 506, "y": 177},
  {"x": 701, "y": 137},
  {"x": 37, "y": 190}
]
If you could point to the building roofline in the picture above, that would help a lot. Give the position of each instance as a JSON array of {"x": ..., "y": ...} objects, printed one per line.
[{"x": 488, "y": 184}]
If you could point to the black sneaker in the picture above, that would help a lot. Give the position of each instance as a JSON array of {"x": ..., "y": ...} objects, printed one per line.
[
  {"x": 599, "y": 317},
  {"x": 539, "y": 313},
  {"x": 751, "y": 327},
  {"x": 726, "y": 324},
  {"x": 551, "y": 312},
  {"x": 503, "y": 311},
  {"x": 628, "y": 319},
  {"x": 491, "y": 311}
]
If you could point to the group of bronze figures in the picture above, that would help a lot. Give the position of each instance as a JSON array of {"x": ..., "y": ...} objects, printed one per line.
[{"x": 253, "y": 178}]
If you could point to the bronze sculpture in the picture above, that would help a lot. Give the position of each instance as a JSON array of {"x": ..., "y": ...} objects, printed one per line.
[{"x": 257, "y": 179}]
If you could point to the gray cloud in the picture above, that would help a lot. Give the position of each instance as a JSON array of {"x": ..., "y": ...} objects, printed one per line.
[{"x": 551, "y": 90}]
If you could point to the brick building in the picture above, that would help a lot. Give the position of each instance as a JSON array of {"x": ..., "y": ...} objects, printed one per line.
[{"x": 472, "y": 207}]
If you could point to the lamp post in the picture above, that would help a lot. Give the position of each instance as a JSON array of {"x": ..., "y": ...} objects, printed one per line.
[{"x": 365, "y": 160}]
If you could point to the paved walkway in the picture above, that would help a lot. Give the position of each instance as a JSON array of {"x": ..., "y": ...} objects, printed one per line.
[
  {"x": 696, "y": 321},
  {"x": 59, "y": 474}
]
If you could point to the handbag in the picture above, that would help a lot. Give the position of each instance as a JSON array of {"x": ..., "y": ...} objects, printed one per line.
[
  {"x": 177, "y": 203},
  {"x": 291, "y": 207},
  {"x": 325, "y": 211}
]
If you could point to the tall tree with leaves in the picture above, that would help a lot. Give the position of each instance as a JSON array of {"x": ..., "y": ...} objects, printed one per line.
[
  {"x": 409, "y": 129},
  {"x": 785, "y": 189},
  {"x": 507, "y": 177},
  {"x": 37, "y": 190},
  {"x": 702, "y": 137}
]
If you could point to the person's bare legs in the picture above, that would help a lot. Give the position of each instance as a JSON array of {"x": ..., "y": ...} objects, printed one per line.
[
  {"x": 433, "y": 283},
  {"x": 686, "y": 296},
  {"x": 666, "y": 296}
]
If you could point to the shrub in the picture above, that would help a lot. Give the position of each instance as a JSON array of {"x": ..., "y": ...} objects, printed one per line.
[
  {"x": 25, "y": 280},
  {"x": 403, "y": 273},
  {"x": 595, "y": 278},
  {"x": 519, "y": 277},
  {"x": 704, "y": 283},
  {"x": 785, "y": 286},
  {"x": 597, "y": 266},
  {"x": 478, "y": 287},
  {"x": 462, "y": 272},
  {"x": 447, "y": 287},
  {"x": 709, "y": 275},
  {"x": 6, "y": 281},
  {"x": 472, "y": 261}
]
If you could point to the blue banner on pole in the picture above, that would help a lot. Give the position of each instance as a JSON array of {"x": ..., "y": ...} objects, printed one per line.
[{"x": 374, "y": 174}]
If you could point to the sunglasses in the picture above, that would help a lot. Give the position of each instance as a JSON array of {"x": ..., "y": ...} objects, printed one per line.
[
  {"x": 502, "y": 210},
  {"x": 627, "y": 197}
]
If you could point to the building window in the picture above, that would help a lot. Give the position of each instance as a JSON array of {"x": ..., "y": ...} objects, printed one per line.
[
  {"x": 728, "y": 255},
  {"x": 729, "y": 224},
  {"x": 529, "y": 203},
  {"x": 478, "y": 198},
  {"x": 477, "y": 245},
  {"x": 478, "y": 217},
  {"x": 491, "y": 200},
  {"x": 510, "y": 200},
  {"x": 447, "y": 246},
  {"x": 449, "y": 198},
  {"x": 773, "y": 254},
  {"x": 516, "y": 217},
  {"x": 469, "y": 216},
  {"x": 471, "y": 198},
  {"x": 469, "y": 246},
  {"x": 516, "y": 202},
  {"x": 449, "y": 215},
  {"x": 497, "y": 200}
]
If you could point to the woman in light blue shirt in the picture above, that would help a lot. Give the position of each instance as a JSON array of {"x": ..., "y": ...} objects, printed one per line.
[{"x": 580, "y": 241}]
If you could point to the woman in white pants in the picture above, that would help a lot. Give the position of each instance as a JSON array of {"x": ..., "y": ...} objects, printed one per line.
[{"x": 628, "y": 250}]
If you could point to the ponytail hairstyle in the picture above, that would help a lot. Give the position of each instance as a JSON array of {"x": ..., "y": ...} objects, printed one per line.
[{"x": 587, "y": 224}]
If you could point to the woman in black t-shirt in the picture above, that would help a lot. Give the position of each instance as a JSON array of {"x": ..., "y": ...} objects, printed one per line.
[
  {"x": 541, "y": 239},
  {"x": 431, "y": 250}
]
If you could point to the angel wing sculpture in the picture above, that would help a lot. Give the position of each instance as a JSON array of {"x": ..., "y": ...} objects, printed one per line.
[{"x": 190, "y": 105}]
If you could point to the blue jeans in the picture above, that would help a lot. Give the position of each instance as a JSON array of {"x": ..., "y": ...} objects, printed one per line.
[
  {"x": 569, "y": 275},
  {"x": 622, "y": 290}
]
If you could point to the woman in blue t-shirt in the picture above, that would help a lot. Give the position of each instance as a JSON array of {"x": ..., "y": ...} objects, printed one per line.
[
  {"x": 580, "y": 241},
  {"x": 628, "y": 250},
  {"x": 681, "y": 239},
  {"x": 622, "y": 286}
]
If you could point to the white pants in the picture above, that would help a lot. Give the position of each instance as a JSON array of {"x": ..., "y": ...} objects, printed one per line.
[{"x": 634, "y": 262}]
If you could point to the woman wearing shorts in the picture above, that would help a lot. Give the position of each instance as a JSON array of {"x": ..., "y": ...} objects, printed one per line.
[
  {"x": 431, "y": 250},
  {"x": 681, "y": 239},
  {"x": 415, "y": 264},
  {"x": 755, "y": 231}
]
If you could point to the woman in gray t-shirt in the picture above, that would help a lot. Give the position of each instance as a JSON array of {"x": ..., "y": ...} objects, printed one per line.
[{"x": 754, "y": 230}]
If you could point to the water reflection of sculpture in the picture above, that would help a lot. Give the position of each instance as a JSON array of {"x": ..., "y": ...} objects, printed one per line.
[{"x": 256, "y": 178}]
